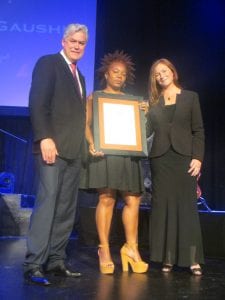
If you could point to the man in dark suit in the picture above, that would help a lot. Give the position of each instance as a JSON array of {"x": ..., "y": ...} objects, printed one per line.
[{"x": 57, "y": 110}]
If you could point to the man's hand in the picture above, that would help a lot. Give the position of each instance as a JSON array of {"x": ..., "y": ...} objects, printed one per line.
[{"x": 48, "y": 150}]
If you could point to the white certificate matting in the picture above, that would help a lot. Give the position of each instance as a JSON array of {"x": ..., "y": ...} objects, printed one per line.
[{"x": 119, "y": 124}]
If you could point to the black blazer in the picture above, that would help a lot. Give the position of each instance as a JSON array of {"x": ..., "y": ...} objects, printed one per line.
[
  {"x": 185, "y": 133},
  {"x": 56, "y": 108}
]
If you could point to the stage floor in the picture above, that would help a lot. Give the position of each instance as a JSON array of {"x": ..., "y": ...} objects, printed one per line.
[{"x": 92, "y": 285}]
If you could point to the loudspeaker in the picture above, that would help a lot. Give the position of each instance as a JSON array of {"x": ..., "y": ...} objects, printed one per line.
[
  {"x": 7, "y": 182},
  {"x": 213, "y": 233}
]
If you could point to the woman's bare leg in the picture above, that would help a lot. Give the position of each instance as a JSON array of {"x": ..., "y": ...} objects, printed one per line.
[{"x": 104, "y": 213}]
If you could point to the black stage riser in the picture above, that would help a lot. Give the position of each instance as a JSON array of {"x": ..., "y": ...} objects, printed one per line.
[
  {"x": 14, "y": 221},
  {"x": 212, "y": 224}
]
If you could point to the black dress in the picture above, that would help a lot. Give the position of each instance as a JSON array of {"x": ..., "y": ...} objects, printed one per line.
[
  {"x": 122, "y": 173},
  {"x": 175, "y": 234}
]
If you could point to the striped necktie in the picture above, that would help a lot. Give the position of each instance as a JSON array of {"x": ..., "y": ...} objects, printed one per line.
[{"x": 73, "y": 69}]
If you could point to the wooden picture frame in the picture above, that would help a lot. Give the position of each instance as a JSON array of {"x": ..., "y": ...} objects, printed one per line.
[{"x": 119, "y": 125}]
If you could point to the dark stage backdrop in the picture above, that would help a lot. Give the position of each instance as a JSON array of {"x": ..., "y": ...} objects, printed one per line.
[
  {"x": 191, "y": 34},
  {"x": 188, "y": 32}
]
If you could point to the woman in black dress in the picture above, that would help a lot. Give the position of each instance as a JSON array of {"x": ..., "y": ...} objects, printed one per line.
[
  {"x": 176, "y": 156},
  {"x": 111, "y": 175}
]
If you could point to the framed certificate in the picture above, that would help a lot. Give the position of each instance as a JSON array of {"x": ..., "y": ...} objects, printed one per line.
[{"x": 119, "y": 125}]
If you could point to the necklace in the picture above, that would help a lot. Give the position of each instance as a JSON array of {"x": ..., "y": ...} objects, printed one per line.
[{"x": 170, "y": 99}]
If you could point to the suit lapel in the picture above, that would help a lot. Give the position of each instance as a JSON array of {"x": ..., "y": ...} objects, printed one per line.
[
  {"x": 161, "y": 108},
  {"x": 68, "y": 74},
  {"x": 179, "y": 106}
]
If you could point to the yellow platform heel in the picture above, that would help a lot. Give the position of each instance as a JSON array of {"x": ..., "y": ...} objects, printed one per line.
[
  {"x": 137, "y": 266},
  {"x": 108, "y": 267}
]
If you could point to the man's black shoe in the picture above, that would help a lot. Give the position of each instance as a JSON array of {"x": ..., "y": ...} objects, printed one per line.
[
  {"x": 63, "y": 272},
  {"x": 36, "y": 277}
]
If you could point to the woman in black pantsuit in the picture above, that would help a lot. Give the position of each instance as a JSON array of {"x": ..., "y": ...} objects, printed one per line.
[{"x": 176, "y": 156}]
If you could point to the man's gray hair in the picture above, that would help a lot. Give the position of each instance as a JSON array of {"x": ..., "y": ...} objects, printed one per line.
[{"x": 72, "y": 28}]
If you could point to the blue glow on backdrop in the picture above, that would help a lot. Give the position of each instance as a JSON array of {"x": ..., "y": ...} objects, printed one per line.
[
  {"x": 209, "y": 16},
  {"x": 30, "y": 29}
]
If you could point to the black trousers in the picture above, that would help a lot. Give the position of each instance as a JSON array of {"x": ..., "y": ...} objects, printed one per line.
[{"x": 53, "y": 214}]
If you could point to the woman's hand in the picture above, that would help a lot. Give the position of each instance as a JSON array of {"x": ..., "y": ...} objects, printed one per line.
[
  {"x": 144, "y": 106},
  {"x": 195, "y": 167},
  {"x": 94, "y": 152}
]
